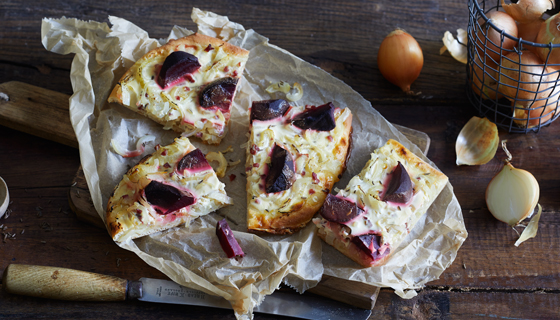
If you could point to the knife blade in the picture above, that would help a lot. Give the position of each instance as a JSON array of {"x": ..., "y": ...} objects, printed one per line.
[{"x": 69, "y": 284}]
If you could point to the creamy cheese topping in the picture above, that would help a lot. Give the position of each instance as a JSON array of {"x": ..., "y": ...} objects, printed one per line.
[
  {"x": 315, "y": 162},
  {"x": 178, "y": 105},
  {"x": 204, "y": 186},
  {"x": 393, "y": 221}
]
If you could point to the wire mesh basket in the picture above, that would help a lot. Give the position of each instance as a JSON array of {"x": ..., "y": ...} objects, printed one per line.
[{"x": 517, "y": 95}]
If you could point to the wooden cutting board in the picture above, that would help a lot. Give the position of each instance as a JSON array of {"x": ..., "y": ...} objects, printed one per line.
[{"x": 45, "y": 113}]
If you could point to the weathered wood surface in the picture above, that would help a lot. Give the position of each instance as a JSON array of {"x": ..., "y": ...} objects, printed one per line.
[{"x": 490, "y": 277}]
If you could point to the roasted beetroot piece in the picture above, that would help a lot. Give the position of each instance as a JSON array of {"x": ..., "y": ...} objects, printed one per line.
[
  {"x": 194, "y": 161},
  {"x": 370, "y": 244},
  {"x": 281, "y": 171},
  {"x": 227, "y": 240},
  {"x": 268, "y": 109},
  {"x": 165, "y": 198},
  {"x": 175, "y": 66},
  {"x": 218, "y": 93},
  {"x": 320, "y": 118},
  {"x": 399, "y": 189},
  {"x": 339, "y": 210}
]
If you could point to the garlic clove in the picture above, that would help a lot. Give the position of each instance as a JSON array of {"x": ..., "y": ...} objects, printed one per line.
[
  {"x": 477, "y": 142},
  {"x": 531, "y": 230},
  {"x": 512, "y": 195}
]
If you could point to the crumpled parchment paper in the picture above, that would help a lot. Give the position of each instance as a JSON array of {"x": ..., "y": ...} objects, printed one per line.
[{"x": 192, "y": 256}]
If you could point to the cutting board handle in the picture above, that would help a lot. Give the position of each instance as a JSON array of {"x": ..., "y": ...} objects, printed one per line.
[{"x": 63, "y": 284}]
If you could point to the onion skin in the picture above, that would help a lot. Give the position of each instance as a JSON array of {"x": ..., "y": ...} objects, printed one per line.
[
  {"x": 527, "y": 11},
  {"x": 477, "y": 142},
  {"x": 532, "y": 71},
  {"x": 549, "y": 33},
  {"x": 529, "y": 31},
  {"x": 400, "y": 59},
  {"x": 494, "y": 44}
]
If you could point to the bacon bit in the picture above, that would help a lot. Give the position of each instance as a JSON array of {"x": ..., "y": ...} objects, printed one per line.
[
  {"x": 256, "y": 165},
  {"x": 315, "y": 178},
  {"x": 189, "y": 78},
  {"x": 164, "y": 152},
  {"x": 124, "y": 196},
  {"x": 187, "y": 89},
  {"x": 248, "y": 169},
  {"x": 311, "y": 191},
  {"x": 235, "y": 73},
  {"x": 177, "y": 98},
  {"x": 139, "y": 214},
  {"x": 257, "y": 201},
  {"x": 146, "y": 94},
  {"x": 226, "y": 69},
  {"x": 254, "y": 149},
  {"x": 303, "y": 173},
  {"x": 209, "y": 48},
  {"x": 231, "y": 177},
  {"x": 330, "y": 138},
  {"x": 167, "y": 165},
  {"x": 239, "y": 64},
  {"x": 157, "y": 146}
]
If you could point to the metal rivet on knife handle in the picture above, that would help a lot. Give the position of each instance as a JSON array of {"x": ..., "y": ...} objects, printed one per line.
[
  {"x": 61, "y": 283},
  {"x": 134, "y": 290}
]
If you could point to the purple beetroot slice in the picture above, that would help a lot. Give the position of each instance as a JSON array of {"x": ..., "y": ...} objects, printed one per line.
[
  {"x": 165, "y": 198},
  {"x": 227, "y": 240},
  {"x": 218, "y": 93},
  {"x": 399, "y": 189},
  {"x": 268, "y": 109},
  {"x": 193, "y": 161},
  {"x": 281, "y": 172},
  {"x": 370, "y": 244},
  {"x": 175, "y": 66},
  {"x": 320, "y": 118},
  {"x": 339, "y": 210}
]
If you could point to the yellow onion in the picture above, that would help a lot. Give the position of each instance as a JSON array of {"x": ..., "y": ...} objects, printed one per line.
[
  {"x": 489, "y": 40},
  {"x": 513, "y": 194},
  {"x": 477, "y": 142},
  {"x": 221, "y": 160},
  {"x": 529, "y": 31},
  {"x": 532, "y": 113},
  {"x": 484, "y": 80},
  {"x": 525, "y": 11},
  {"x": 524, "y": 77},
  {"x": 400, "y": 59},
  {"x": 549, "y": 33}
]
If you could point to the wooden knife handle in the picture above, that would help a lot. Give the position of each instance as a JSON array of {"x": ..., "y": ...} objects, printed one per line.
[{"x": 62, "y": 284}]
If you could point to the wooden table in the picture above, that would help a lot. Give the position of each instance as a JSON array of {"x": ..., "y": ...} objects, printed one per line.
[{"x": 490, "y": 278}]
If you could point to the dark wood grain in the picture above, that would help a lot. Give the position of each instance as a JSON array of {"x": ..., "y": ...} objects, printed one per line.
[{"x": 490, "y": 277}]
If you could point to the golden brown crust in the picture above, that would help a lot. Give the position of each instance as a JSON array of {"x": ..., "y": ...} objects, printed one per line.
[
  {"x": 298, "y": 217},
  {"x": 352, "y": 251}
]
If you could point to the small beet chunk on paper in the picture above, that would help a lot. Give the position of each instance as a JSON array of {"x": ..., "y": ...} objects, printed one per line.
[
  {"x": 320, "y": 118},
  {"x": 339, "y": 210},
  {"x": 193, "y": 161},
  {"x": 399, "y": 189},
  {"x": 175, "y": 66},
  {"x": 281, "y": 172},
  {"x": 218, "y": 93},
  {"x": 370, "y": 244},
  {"x": 165, "y": 198},
  {"x": 227, "y": 240},
  {"x": 268, "y": 109}
]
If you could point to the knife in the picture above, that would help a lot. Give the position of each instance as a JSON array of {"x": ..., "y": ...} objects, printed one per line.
[{"x": 69, "y": 284}]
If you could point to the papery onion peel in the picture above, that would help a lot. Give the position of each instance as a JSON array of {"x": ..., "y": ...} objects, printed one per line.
[
  {"x": 457, "y": 47},
  {"x": 477, "y": 142},
  {"x": 526, "y": 11},
  {"x": 531, "y": 229}
]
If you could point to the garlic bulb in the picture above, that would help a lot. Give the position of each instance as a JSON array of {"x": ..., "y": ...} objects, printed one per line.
[
  {"x": 477, "y": 142},
  {"x": 513, "y": 193}
]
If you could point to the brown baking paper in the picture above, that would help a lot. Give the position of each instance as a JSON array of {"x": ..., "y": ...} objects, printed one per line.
[{"x": 191, "y": 255}]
